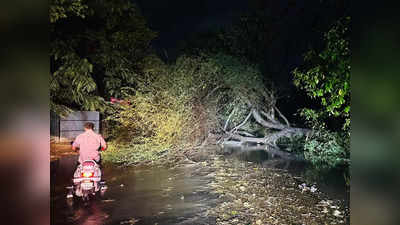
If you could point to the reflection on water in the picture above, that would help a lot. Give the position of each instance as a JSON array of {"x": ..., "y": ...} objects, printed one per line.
[
  {"x": 149, "y": 195},
  {"x": 331, "y": 182}
]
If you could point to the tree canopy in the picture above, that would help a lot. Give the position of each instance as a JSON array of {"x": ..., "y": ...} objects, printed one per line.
[
  {"x": 96, "y": 48},
  {"x": 325, "y": 76}
]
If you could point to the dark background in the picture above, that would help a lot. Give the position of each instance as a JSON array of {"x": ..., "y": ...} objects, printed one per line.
[{"x": 297, "y": 25}]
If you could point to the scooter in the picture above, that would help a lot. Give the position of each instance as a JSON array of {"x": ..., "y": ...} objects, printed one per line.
[{"x": 87, "y": 182}]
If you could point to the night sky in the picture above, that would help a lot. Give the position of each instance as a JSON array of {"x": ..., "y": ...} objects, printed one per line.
[{"x": 175, "y": 20}]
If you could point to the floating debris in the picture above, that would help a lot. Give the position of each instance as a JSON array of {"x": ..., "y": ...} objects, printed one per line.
[
  {"x": 337, "y": 213},
  {"x": 131, "y": 221},
  {"x": 303, "y": 187}
]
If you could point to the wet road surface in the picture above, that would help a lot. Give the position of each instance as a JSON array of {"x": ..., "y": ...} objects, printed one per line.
[{"x": 135, "y": 196}]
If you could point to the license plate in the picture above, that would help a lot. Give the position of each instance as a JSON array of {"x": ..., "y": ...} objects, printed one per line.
[{"x": 87, "y": 185}]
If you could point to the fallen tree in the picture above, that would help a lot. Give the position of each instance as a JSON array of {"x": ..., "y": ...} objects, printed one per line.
[
  {"x": 244, "y": 106},
  {"x": 200, "y": 100}
]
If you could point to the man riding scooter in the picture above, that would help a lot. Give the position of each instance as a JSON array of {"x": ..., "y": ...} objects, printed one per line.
[{"x": 89, "y": 144}]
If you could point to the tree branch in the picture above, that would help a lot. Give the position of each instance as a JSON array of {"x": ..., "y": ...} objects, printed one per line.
[
  {"x": 242, "y": 124},
  {"x": 267, "y": 124},
  {"x": 229, "y": 117},
  {"x": 245, "y": 133},
  {"x": 212, "y": 91},
  {"x": 268, "y": 115},
  {"x": 283, "y": 117}
]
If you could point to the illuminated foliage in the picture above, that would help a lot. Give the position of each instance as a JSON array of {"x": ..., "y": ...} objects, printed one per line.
[
  {"x": 60, "y": 9},
  {"x": 326, "y": 76}
]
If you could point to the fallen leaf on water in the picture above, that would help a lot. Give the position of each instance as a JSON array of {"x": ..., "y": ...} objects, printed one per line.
[
  {"x": 337, "y": 213},
  {"x": 131, "y": 221}
]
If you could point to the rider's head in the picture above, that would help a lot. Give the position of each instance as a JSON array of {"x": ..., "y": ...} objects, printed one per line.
[{"x": 88, "y": 126}]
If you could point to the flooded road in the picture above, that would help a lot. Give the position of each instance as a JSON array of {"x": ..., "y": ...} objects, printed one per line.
[
  {"x": 135, "y": 196},
  {"x": 156, "y": 195}
]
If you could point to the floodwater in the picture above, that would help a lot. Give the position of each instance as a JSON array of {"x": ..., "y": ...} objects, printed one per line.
[
  {"x": 156, "y": 195},
  {"x": 135, "y": 196},
  {"x": 332, "y": 182}
]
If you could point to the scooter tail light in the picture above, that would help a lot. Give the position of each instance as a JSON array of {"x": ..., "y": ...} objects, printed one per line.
[{"x": 87, "y": 174}]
